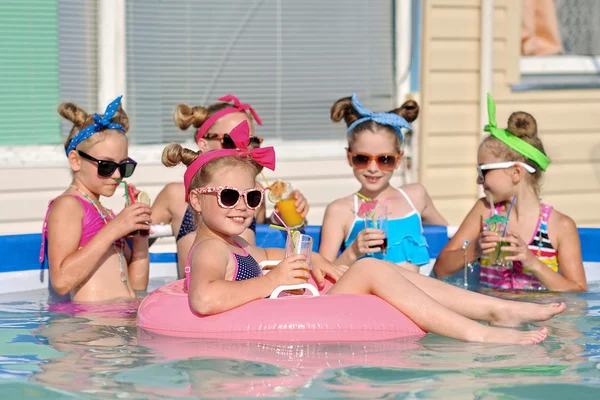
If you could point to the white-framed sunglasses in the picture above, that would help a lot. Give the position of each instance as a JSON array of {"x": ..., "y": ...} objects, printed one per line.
[{"x": 483, "y": 169}]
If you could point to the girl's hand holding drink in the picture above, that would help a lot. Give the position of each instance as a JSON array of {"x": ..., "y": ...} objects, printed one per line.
[
  {"x": 132, "y": 196},
  {"x": 280, "y": 193},
  {"x": 376, "y": 221}
]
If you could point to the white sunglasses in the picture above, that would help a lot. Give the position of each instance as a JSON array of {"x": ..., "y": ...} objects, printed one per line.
[{"x": 483, "y": 169}]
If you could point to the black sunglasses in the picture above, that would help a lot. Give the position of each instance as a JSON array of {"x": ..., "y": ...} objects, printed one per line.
[
  {"x": 227, "y": 141},
  {"x": 107, "y": 168}
]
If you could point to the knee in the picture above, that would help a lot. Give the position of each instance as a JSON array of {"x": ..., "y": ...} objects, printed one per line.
[{"x": 367, "y": 265}]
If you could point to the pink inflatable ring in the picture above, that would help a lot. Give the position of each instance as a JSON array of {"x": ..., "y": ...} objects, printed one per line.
[{"x": 331, "y": 318}]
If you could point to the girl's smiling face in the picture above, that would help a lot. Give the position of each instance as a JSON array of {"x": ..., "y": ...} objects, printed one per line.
[
  {"x": 226, "y": 221},
  {"x": 374, "y": 143}
]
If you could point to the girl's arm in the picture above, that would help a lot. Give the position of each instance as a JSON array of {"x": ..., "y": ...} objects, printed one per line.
[
  {"x": 333, "y": 235},
  {"x": 568, "y": 249},
  {"x": 139, "y": 264},
  {"x": 161, "y": 210},
  {"x": 210, "y": 293},
  {"x": 429, "y": 214},
  {"x": 69, "y": 266},
  {"x": 451, "y": 258}
]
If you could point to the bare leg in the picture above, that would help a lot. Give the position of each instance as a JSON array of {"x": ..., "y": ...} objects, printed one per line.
[
  {"x": 430, "y": 315},
  {"x": 476, "y": 305}
]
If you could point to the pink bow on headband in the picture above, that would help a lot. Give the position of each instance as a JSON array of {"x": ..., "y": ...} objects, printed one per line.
[
  {"x": 237, "y": 107},
  {"x": 264, "y": 156}
]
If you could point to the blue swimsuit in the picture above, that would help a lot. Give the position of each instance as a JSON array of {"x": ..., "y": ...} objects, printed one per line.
[
  {"x": 188, "y": 225},
  {"x": 406, "y": 242}
]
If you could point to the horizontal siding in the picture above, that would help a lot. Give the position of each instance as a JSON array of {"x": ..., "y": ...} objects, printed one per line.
[
  {"x": 462, "y": 55},
  {"x": 465, "y": 22},
  {"x": 24, "y": 207},
  {"x": 450, "y": 135}
]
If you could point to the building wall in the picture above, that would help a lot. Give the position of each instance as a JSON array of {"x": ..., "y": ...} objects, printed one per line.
[{"x": 567, "y": 119}]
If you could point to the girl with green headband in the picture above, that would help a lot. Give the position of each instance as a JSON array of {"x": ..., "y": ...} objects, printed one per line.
[{"x": 511, "y": 163}]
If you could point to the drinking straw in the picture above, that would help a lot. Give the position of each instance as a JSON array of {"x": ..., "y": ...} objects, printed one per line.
[
  {"x": 127, "y": 199},
  {"x": 491, "y": 201},
  {"x": 365, "y": 198},
  {"x": 512, "y": 203},
  {"x": 265, "y": 178},
  {"x": 281, "y": 228},
  {"x": 282, "y": 223}
]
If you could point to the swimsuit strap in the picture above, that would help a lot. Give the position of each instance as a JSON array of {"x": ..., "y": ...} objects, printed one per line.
[
  {"x": 188, "y": 269},
  {"x": 545, "y": 213},
  {"x": 403, "y": 193},
  {"x": 188, "y": 266}
]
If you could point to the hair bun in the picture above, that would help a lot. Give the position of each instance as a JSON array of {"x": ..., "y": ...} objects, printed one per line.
[
  {"x": 522, "y": 124},
  {"x": 73, "y": 113},
  {"x": 344, "y": 110},
  {"x": 409, "y": 110}
]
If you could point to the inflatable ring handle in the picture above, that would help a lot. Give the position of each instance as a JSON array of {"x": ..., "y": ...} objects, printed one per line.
[{"x": 280, "y": 289}]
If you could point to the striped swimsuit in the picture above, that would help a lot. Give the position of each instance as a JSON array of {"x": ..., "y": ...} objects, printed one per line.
[{"x": 519, "y": 277}]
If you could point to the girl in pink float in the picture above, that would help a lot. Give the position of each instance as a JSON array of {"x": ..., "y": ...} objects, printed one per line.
[
  {"x": 88, "y": 255},
  {"x": 511, "y": 163},
  {"x": 212, "y": 124},
  {"x": 223, "y": 269}
]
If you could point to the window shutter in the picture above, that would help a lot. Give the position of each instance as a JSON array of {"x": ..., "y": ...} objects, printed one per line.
[
  {"x": 289, "y": 59},
  {"x": 28, "y": 72}
]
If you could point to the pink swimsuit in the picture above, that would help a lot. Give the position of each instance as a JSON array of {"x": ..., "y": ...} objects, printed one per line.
[{"x": 90, "y": 224}]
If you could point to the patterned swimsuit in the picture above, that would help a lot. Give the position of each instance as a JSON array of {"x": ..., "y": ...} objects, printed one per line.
[
  {"x": 246, "y": 266},
  {"x": 519, "y": 277}
]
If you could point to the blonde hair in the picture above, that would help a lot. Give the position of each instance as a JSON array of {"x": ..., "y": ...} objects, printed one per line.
[
  {"x": 186, "y": 116},
  {"x": 524, "y": 126},
  {"x": 174, "y": 154},
  {"x": 81, "y": 119},
  {"x": 343, "y": 109}
]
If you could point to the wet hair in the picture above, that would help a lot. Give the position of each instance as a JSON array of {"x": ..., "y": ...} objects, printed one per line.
[
  {"x": 186, "y": 116},
  {"x": 81, "y": 119},
  {"x": 174, "y": 154},
  {"x": 344, "y": 110},
  {"x": 524, "y": 126}
]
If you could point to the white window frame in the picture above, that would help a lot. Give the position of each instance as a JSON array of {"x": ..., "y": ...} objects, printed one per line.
[{"x": 559, "y": 65}]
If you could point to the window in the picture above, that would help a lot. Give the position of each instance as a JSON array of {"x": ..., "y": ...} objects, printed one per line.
[
  {"x": 559, "y": 37},
  {"x": 289, "y": 59},
  {"x": 29, "y": 72}
]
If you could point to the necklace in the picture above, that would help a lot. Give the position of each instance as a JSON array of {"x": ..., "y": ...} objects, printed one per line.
[{"x": 117, "y": 244}]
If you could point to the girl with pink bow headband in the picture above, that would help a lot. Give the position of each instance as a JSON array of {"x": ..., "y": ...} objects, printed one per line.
[
  {"x": 223, "y": 270},
  {"x": 212, "y": 126}
]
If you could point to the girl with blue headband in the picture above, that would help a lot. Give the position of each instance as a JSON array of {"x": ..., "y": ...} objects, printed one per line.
[
  {"x": 87, "y": 253},
  {"x": 540, "y": 245},
  {"x": 374, "y": 152}
]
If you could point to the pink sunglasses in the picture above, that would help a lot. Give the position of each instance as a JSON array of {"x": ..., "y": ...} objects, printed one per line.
[{"x": 229, "y": 197}]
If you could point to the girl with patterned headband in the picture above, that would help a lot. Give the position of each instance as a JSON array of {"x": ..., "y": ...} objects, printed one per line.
[
  {"x": 212, "y": 124},
  {"x": 374, "y": 152},
  {"x": 87, "y": 254},
  {"x": 511, "y": 163},
  {"x": 223, "y": 269}
]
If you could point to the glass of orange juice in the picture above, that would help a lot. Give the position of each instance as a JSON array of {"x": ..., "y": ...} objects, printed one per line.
[
  {"x": 299, "y": 243},
  {"x": 280, "y": 193}
]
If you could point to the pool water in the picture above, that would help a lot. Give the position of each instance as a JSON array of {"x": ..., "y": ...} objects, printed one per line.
[{"x": 50, "y": 355}]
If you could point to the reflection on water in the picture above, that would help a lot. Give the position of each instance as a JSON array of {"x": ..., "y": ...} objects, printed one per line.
[{"x": 47, "y": 354}]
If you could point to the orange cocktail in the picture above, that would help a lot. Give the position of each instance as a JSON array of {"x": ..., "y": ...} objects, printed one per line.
[{"x": 280, "y": 193}]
